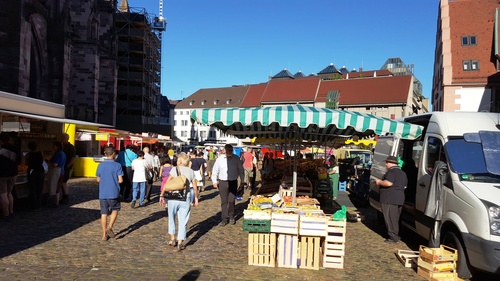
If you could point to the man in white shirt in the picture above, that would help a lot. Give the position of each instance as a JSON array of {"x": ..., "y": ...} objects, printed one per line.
[
  {"x": 227, "y": 169},
  {"x": 149, "y": 162}
]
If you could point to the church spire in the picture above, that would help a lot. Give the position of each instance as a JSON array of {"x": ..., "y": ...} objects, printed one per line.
[{"x": 124, "y": 8}]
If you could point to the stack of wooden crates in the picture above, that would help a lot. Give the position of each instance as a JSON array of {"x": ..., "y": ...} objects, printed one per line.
[
  {"x": 437, "y": 263},
  {"x": 295, "y": 241},
  {"x": 261, "y": 242}
]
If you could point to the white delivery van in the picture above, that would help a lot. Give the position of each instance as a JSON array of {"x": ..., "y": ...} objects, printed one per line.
[{"x": 453, "y": 192}]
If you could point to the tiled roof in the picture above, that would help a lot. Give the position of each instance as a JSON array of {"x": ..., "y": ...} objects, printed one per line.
[
  {"x": 254, "y": 95},
  {"x": 215, "y": 97},
  {"x": 370, "y": 91},
  {"x": 300, "y": 89},
  {"x": 382, "y": 89}
]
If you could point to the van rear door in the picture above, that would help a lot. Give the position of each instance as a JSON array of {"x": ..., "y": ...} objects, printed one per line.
[{"x": 386, "y": 146}]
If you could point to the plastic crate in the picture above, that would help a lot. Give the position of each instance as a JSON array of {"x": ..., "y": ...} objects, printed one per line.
[{"x": 262, "y": 226}]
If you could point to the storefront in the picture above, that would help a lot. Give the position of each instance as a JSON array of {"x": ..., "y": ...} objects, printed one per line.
[{"x": 28, "y": 119}]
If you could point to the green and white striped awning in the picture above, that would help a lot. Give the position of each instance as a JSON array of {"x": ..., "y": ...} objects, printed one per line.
[{"x": 301, "y": 122}]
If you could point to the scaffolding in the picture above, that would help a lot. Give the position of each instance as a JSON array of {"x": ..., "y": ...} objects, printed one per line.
[{"x": 139, "y": 70}]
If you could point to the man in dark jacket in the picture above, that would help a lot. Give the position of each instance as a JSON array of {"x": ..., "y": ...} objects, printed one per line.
[
  {"x": 9, "y": 161},
  {"x": 392, "y": 197}
]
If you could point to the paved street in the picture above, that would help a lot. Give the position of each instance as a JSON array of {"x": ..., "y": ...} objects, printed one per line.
[{"x": 65, "y": 244}]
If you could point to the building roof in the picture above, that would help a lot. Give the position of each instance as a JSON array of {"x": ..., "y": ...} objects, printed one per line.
[
  {"x": 299, "y": 74},
  {"x": 215, "y": 97},
  {"x": 376, "y": 90},
  {"x": 368, "y": 91},
  {"x": 364, "y": 74},
  {"x": 254, "y": 95},
  {"x": 283, "y": 74},
  {"x": 285, "y": 91},
  {"x": 329, "y": 70}
]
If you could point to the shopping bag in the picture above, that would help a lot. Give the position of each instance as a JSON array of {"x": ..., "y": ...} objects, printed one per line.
[{"x": 177, "y": 183}]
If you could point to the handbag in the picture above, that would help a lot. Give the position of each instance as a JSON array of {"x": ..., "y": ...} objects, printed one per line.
[
  {"x": 179, "y": 194},
  {"x": 177, "y": 183},
  {"x": 149, "y": 175}
]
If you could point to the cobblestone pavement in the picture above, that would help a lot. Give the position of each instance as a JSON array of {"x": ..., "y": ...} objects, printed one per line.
[{"x": 65, "y": 244}]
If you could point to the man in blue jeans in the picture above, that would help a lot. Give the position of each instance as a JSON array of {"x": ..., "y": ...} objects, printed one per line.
[{"x": 227, "y": 169}]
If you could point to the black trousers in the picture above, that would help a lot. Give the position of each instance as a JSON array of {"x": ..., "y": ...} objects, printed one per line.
[
  {"x": 227, "y": 191},
  {"x": 391, "y": 217},
  {"x": 127, "y": 182}
]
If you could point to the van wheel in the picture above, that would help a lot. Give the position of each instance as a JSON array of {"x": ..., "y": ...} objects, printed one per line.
[{"x": 451, "y": 239}]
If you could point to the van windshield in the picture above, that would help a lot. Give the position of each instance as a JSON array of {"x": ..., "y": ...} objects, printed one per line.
[{"x": 468, "y": 161}]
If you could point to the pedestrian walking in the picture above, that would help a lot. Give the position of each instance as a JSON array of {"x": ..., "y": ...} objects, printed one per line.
[
  {"x": 109, "y": 176},
  {"x": 9, "y": 161},
  {"x": 198, "y": 164},
  {"x": 149, "y": 167},
  {"x": 249, "y": 163},
  {"x": 36, "y": 174},
  {"x": 333, "y": 175},
  {"x": 55, "y": 173},
  {"x": 130, "y": 156},
  {"x": 227, "y": 169},
  {"x": 139, "y": 166},
  {"x": 180, "y": 208},
  {"x": 166, "y": 167},
  {"x": 211, "y": 156},
  {"x": 392, "y": 197},
  {"x": 70, "y": 152},
  {"x": 156, "y": 166}
]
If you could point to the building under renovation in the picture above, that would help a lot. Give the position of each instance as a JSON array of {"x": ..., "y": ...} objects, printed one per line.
[
  {"x": 138, "y": 39},
  {"x": 100, "y": 60}
]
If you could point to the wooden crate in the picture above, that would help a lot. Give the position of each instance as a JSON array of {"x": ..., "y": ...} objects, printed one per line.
[
  {"x": 334, "y": 246},
  {"x": 313, "y": 226},
  {"x": 437, "y": 276},
  {"x": 257, "y": 214},
  {"x": 336, "y": 231},
  {"x": 437, "y": 266},
  {"x": 262, "y": 249},
  {"x": 333, "y": 255},
  {"x": 310, "y": 252},
  {"x": 443, "y": 253},
  {"x": 285, "y": 223},
  {"x": 287, "y": 250},
  {"x": 285, "y": 192},
  {"x": 408, "y": 258}
]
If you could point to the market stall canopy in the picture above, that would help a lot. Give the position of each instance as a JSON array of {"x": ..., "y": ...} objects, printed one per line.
[{"x": 301, "y": 123}]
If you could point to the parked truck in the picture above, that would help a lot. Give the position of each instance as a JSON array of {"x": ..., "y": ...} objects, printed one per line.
[{"x": 453, "y": 192}]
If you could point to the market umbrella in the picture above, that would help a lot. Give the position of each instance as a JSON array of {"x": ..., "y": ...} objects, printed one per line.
[{"x": 301, "y": 123}]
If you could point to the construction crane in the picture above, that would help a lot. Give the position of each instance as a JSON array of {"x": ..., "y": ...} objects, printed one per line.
[{"x": 159, "y": 22}]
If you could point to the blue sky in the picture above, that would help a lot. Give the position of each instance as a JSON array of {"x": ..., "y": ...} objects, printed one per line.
[{"x": 220, "y": 43}]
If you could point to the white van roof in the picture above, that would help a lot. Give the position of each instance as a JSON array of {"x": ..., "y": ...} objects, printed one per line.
[{"x": 458, "y": 123}]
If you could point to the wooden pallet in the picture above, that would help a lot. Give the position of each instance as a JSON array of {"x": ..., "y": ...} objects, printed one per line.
[
  {"x": 310, "y": 252},
  {"x": 408, "y": 258},
  {"x": 262, "y": 249},
  {"x": 287, "y": 250}
]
